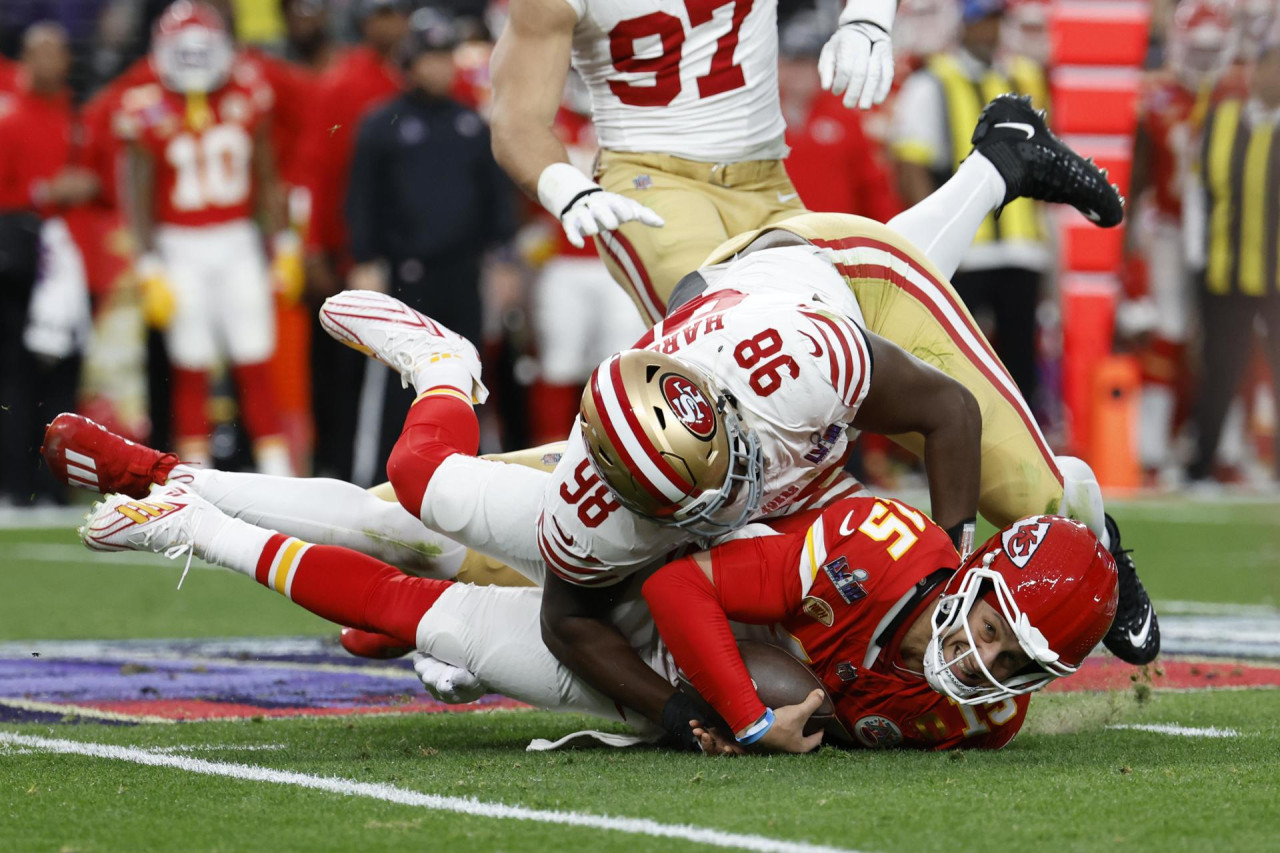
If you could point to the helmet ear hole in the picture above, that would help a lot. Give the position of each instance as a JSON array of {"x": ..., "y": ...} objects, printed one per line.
[
  {"x": 650, "y": 372},
  {"x": 661, "y": 416}
]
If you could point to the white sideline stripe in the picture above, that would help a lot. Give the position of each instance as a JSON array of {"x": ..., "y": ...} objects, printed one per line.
[
  {"x": 1180, "y": 731},
  {"x": 435, "y": 802}
]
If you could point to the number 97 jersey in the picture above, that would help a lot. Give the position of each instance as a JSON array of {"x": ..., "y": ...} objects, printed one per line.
[
  {"x": 694, "y": 78},
  {"x": 201, "y": 147}
]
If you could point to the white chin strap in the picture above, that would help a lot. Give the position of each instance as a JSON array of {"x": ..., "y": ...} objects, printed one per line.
[{"x": 952, "y": 613}]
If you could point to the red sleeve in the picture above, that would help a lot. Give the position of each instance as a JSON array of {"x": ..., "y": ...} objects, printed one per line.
[{"x": 756, "y": 581}]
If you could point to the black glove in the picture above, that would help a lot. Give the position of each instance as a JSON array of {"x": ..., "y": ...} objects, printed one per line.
[{"x": 676, "y": 715}]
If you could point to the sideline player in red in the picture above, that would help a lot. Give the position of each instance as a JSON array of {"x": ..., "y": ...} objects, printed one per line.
[
  {"x": 916, "y": 650},
  {"x": 199, "y": 159}
]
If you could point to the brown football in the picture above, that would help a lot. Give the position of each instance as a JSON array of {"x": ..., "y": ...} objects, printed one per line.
[{"x": 780, "y": 679}]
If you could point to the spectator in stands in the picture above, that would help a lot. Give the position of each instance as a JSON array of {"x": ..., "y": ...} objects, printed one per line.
[
  {"x": 361, "y": 78},
  {"x": 1232, "y": 216},
  {"x": 933, "y": 118},
  {"x": 832, "y": 164},
  {"x": 36, "y": 122},
  {"x": 425, "y": 200}
]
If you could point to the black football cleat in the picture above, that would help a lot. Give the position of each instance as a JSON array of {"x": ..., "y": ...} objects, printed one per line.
[
  {"x": 1135, "y": 634},
  {"x": 1036, "y": 164}
]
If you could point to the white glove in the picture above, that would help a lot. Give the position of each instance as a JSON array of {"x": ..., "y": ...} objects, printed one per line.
[
  {"x": 583, "y": 207},
  {"x": 858, "y": 58},
  {"x": 446, "y": 682}
]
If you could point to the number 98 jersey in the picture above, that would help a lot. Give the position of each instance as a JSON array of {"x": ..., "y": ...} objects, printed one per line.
[
  {"x": 797, "y": 369},
  {"x": 201, "y": 149},
  {"x": 697, "y": 79}
]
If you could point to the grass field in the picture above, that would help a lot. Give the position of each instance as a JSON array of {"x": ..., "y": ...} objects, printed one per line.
[{"x": 1070, "y": 781}]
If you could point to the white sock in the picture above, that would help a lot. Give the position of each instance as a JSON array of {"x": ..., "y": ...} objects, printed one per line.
[
  {"x": 447, "y": 371},
  {"x": 944, "y": 224},
  {"x": 229, "y": 542},
  {"x": 329, "y": 512}
]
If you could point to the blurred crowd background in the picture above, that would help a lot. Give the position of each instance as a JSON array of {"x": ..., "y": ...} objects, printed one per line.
[{"x": 346, "y": 146}]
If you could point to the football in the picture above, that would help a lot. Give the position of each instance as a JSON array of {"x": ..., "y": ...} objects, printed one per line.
[{"x": 780, "y": 679}]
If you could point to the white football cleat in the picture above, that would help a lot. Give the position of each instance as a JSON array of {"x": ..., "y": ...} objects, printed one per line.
[
  {"x": 385, "y": 328},
  {"x": 165, "y": 522}
]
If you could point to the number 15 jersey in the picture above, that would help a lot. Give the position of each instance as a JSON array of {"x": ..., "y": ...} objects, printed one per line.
[
  {"x": 697, "y": 79},
  {"x": 774, "y": 332}
]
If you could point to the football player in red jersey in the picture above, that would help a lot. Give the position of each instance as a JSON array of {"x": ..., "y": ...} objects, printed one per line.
[
  {"x": 916, "y": 650},
  {"x": 199, "y": 159}
]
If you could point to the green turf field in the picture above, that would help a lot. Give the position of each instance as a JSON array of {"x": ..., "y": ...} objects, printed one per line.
[{"x": 1069, "y": 782}]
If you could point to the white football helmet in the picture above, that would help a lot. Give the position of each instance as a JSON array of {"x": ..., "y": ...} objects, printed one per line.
[
  {"x": 191, "y": 49},
  {"x": 669, "y": 447}
]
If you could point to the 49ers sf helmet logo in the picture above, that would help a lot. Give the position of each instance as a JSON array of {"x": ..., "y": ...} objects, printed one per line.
[
  {"x": 1023, "y": 539},
  {"x": 690, "y": 405}
]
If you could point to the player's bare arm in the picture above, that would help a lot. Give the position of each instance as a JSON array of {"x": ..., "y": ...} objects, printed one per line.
[
  {"x": 908, "y": 395},
  {"x": 577, "y": 630},
  {"x": 530, "y": 65}
]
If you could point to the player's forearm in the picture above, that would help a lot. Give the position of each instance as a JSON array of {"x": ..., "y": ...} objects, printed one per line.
[
  {"x": 575, "y": 628},
  {"x": 693, "y": 624},
  {"x": 524, "y": 148},
  {"x": 529, "y": 66},
  {"x": 953, "y": 457},
  {"x": 878, "y": 12},
  {"x": 595, "y": 651}
]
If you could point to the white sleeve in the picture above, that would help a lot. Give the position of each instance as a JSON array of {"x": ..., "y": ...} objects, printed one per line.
[
  {"x": 918, "y": 131},
  {"x": 491, "y": 507},
  {"x": 584, "y": 536}
]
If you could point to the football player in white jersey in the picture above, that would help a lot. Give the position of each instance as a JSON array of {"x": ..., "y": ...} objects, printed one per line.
[{"x": 684, "y": 96}]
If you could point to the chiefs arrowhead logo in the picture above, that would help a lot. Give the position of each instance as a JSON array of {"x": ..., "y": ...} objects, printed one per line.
[
  {"x": 690, "y": 405},
  {"x": 1022, "y": 539}
]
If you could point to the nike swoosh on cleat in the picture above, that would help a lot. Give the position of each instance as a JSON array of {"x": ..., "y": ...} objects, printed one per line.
[
  {"x": 1092, "y": 215},
  {"x": 1019, "y": 125},
  {"x": 1139, "y": 639}
]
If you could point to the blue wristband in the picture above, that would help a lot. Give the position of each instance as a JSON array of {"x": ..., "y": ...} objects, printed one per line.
[{"x": 757, "y": 730}]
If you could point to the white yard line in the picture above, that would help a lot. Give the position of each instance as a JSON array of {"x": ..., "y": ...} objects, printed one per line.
[
  {"x": 433, "y": 802},
  {"x": 1176, "y": 730}
]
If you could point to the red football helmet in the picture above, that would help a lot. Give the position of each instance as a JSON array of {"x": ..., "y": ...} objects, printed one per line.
[
  {"x": 1056, "y": 586},
  {"x": 191, "y": 49},
  {"x": 1202, "y": 41}
]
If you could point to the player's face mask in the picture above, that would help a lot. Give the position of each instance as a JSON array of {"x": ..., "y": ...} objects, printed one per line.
[
  {"x": 193, "y": 59},
  {"x": 1056, "y": 588}
]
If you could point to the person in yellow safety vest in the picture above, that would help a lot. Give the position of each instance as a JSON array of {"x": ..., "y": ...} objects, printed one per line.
[
  {"x": 1231, "y": 220},
  {"x": 1002, "y": 273}
]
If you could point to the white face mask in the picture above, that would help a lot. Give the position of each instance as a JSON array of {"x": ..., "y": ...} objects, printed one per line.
[
  {"x": 952, "y": 614},
  {"x": 194, "y": 60}
]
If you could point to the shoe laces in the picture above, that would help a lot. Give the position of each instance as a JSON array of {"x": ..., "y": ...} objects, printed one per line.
[{"x": 146, "y": 536}]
